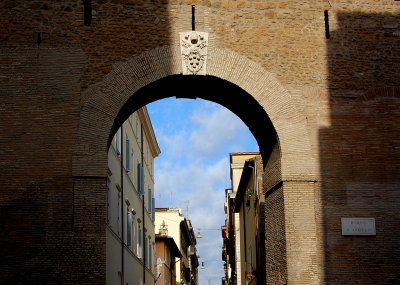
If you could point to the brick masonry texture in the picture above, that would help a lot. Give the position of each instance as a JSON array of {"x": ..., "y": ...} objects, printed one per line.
[
  {"x": 332, "y": 107},
  {"x": 275, "y": 236}
]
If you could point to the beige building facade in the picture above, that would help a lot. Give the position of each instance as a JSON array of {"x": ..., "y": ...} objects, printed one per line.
[
  {"x": 181, "y": 230},
  {"x": 241, "y": 227},
  {"x": 130, "y": 239},
  {"x": 243, "y": 233},
  {"x": 250, "y": 230}
]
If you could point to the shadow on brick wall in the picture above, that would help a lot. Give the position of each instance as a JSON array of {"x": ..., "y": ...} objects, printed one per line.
[
  {"x": 51, "y": 54},
  {"x": 359, "y": 152}
]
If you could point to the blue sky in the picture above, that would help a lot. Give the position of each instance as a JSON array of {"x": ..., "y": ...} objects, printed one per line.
[{"x": 192, "y": 171}]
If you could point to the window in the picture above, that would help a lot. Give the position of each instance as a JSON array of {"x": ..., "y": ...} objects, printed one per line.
[
  {"x": 128, "y": 228},
  {"x": 153, "y": 208},
  {"x": 134, "y": 234},
  {"x": 128, "y": 155},
  {"x": 139, "y": 241},
  {"x": 119, "y": 214},
  {"x": 146, "y": 252},
  {"x": 138, "y": 176},
  {"x": 108, "y": 200},
  {"x": 118, "y": 141},
  {"x": 140, "y": 179},
  {"x": 131, "y": 160},
  {"x": 149, "y": 201},
  {"x": 250, "y": 261}
]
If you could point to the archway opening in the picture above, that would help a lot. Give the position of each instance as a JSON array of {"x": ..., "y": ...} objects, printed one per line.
[
  {"x": 211, "y": 89},
  {"x": 208, "y": 88}
]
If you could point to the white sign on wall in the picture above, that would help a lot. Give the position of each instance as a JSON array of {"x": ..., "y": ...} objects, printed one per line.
[{"x": 358, "y": 227}]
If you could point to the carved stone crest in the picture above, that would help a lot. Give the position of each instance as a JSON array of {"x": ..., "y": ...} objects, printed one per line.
[{"x": 194, "y": 52}]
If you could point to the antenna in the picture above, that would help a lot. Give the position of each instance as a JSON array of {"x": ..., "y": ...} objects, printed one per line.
[{"x": 187, "y": 208}]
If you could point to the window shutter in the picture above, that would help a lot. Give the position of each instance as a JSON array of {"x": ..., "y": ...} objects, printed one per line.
[
  {"x": 118, "y": 141},
  {"x": 141, "y": 181},
  {"x": 108, "y": 200},
  {"x": 134, "y": 235},
  {"x": 119, "y": 214},
  {"x": 149, "y": 201},
  {"x": 139, "y": 245},
  {"x": 129, "y": 229},
  {"x": 153, "y": 208},
  {"x": 128, "y": 155},
  {"x": 138, "y": 178}
]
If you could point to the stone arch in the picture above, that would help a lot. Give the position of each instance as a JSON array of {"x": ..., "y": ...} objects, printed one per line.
[
  {"x": 296, "y": 167},
  {"x": 101, "y": 102}
]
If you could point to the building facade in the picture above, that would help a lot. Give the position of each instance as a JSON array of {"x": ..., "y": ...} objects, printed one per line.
[
  {"x": 182, "y": 232},
  {"x": 130, "y": 239},
  {"x": 244, "y": 230},
  {"x": 167, "y": 253}
]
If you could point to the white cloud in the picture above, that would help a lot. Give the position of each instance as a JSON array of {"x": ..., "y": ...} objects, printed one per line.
[
  {"x": 214, "y": 129},
  {"x": 173, "y": 146},
  {"x": 195, "y": 182},
  {"x": 210, "y": 131},
  {"x": 207, "y": 129}
]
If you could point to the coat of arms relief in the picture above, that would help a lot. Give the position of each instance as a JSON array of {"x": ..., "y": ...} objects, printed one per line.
[{"x": 194, "y": 52}]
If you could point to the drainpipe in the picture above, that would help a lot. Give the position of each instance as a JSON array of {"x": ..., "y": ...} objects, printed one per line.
[
  {"x": 244, "y": 226},
  {"x": 244, "y": 234},
  {"x": 256, "y": 218},
  {"x": 122, "y": 208}
]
